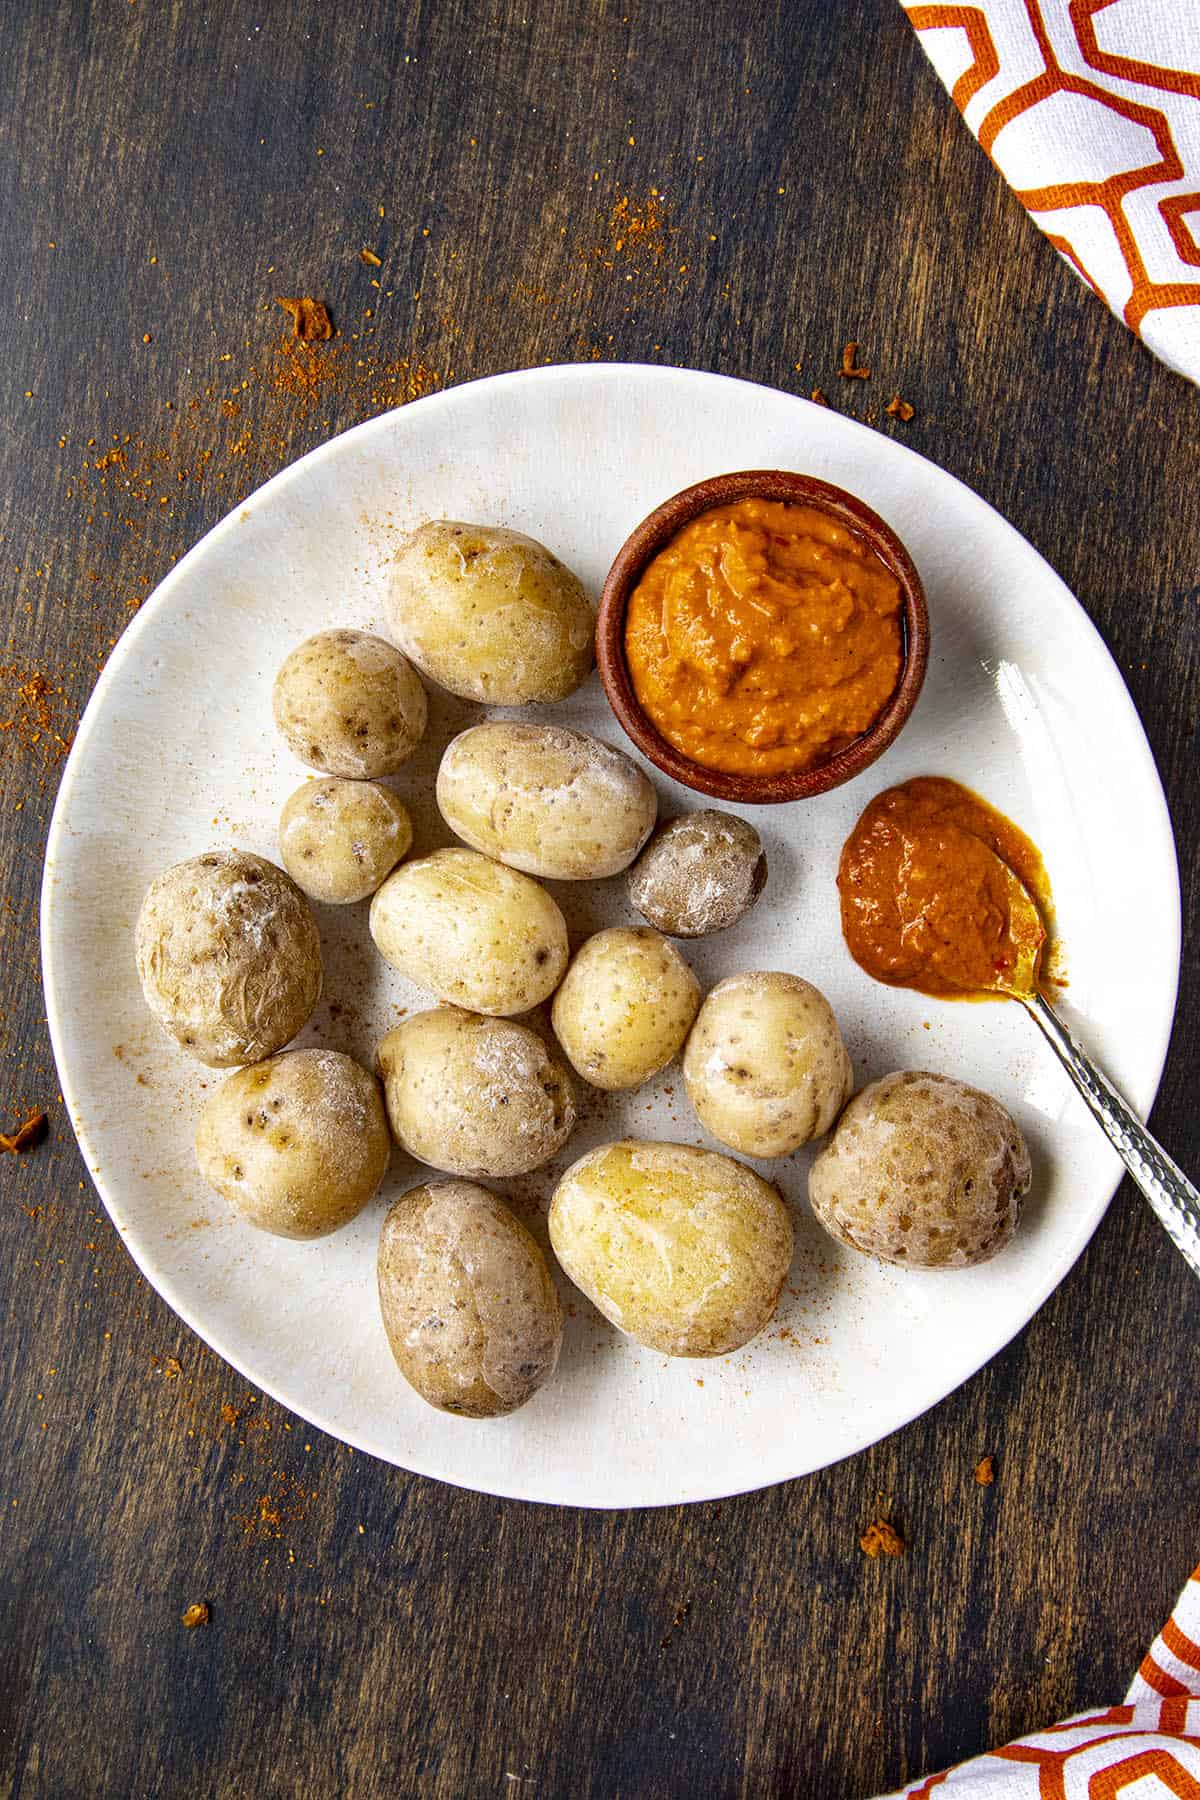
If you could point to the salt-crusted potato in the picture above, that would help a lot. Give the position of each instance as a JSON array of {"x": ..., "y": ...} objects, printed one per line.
[
  {"x": 340, "y": 839},
  {"x": 765, "y": 1067},
  {"x": 684, "y": 1249},
  {"x": 490, "y": 614},
  {"x": 468, "y": 1304},
  {"x": 349, "y": 704},
  {"x": 547, "y": 800},
  {"x": 700, "y": 873},
  {"x": 229, "y": 956},
  {"x": 474, "y": 1095},
  {"x": 922, "y": 1170},
  {"x": 297, "y": 1145},
  {"x": 625, "y": 1006},
  {"x": 471, "y": 931}
]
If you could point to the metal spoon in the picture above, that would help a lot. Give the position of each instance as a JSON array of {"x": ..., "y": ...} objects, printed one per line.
[{"x": 1166, "y": 1187}]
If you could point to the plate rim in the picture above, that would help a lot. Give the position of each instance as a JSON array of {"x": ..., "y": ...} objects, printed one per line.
[{"x": 162, "y": 597}]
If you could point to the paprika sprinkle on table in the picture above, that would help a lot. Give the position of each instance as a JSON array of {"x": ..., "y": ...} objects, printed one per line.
[
  {"x": 881, "y": 1539},
  {"x": 765, "y": 637},
  {"x": 26, "y": 1136},
  {"x": 310, "y": 318}
]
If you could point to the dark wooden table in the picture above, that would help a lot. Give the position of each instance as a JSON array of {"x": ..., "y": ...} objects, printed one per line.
[{"x": 793, "y": 176}]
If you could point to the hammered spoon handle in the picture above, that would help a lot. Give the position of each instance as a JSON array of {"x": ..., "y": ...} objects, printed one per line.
[{"x": 1164, "y": 1184}]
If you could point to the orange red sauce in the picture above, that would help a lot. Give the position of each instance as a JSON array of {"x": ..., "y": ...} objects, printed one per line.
[
  {"x": 925, "y": 904},
  {"x": 764, "y": 638}
]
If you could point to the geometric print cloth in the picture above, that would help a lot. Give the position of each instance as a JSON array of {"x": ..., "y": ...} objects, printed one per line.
[
  {"x": 1090, "y": 109},
  {"x": 1148, "y": 1749}
]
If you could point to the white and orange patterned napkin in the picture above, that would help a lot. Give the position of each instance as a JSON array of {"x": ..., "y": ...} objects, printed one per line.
[
  {"x": 1090, "y": 109},
  {"x": 1148, "y": 1747}
]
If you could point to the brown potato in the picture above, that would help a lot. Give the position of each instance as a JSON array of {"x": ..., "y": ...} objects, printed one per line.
[
  {"x": 924, "y": 1171},
  {"x": 475, "y": 1095},
  {"x": 468, "y": 1304},
  {"x": 229, "y": 956},
  {"x": 297, "y": 1145},
  {"x": 349, "y": 704},
  {"x": 700, "y": 873},
  {"x": 685, "y": 1250}
]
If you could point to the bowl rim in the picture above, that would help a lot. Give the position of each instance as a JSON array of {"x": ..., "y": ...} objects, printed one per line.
[{"x": 652, "y": 534}]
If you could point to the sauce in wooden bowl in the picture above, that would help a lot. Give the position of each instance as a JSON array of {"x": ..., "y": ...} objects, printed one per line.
[{"x": 764, "y": 637}]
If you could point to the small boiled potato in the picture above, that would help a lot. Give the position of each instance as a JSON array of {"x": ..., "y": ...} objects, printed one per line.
[
  {"x": 625, "y": 1006},
  {"x": 468, "y": 1304},
  {"x": 339, "y": 839},
  {"x": 700, "y": 873},
  {"x": 349, "y": 704},
  {"x": 553, "y": 802},
  {"x": 229, "y": 956},
  {"x": 684, "y": 1249},
  {"x": 297, "y": 1145},
  {"x": 490, "y": 614},
  {"x": 475, "y": 1095},
  {"x": 471, "y": 931},
  {"x": 765, "y": 1067},
  {"x": 922, "y": 1170}
]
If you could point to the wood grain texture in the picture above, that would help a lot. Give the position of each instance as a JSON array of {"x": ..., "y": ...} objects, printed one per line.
[{"x": 372, "y": 1632}]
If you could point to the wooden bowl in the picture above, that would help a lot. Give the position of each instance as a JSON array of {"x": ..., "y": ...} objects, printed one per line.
[{"x": 655, "y": 532}]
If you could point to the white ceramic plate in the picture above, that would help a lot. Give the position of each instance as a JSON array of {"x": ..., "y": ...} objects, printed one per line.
[{"x": 177, "y": 753}]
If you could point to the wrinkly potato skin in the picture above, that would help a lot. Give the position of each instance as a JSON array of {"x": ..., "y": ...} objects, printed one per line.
[
  {"x": 468, "y": 1304},
  {"x": 684, "y": 1250},
  {"x": 473, "y": 1095},
  {"x": 349, "y": 704},
  {"x": 923, "y": 1171},
  {"x": 701, "y": 873},
  {"x": 339, "y": 840},
  {"x": 471, "y": 931},
  {"x": 625, "y": 1007},
  {"x": 229, "y": 956},
  {"x": 490, "y": 614},
  {"x": 552, "y": 802},
  {"x": 297, "y": 1145},
  {"x": 765, "y": 1067}
]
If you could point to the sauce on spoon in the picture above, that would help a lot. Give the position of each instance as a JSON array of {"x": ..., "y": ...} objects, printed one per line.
[{"x": 942, "y": 893}]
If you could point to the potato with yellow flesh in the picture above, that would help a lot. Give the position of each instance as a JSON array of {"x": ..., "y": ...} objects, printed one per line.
[
  {"x": 490, "y": 614},
  {"x": 297, "y": 1145},
  {"x": 765, "y": 1067},
  {"x": 683, "y": 1249},
  {"x": 625, "y": 1007},
  {"x": 556, "y": 803},
  {"x": 468, "y": 1304},
  {"x": 471, "y": 931}
]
